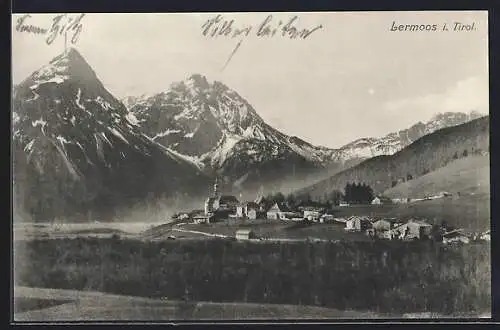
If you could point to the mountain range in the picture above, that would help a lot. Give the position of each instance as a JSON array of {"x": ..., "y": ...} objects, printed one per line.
[
  {"x": 427, "y": 154},
  {"x": 77, "y": 148},
  {"x": 219, "y": 130}
]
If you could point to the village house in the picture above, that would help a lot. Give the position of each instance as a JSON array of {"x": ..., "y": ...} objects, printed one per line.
[
  {"x": 280, "y": 211},
  {"x": 381, "y": 200},
  {"x": 245, "y": 234},
  {"x": 326, "y": 218},
  {"x": 180, "y": 216},
  {"x": 381, "y": 229},
  {"x": 455, "y": 236},
  {"x": 202, "y": 218},
  {"x": 384, "y": 234},
  {"x": 312, "y": 213},
  {"x": 400, "y": 200},
  {"x": 413, "y": 229},
  {"x": 340, "y": 220},
  {"x": 381, "y": 225},
  {"x": 248, "y": 210},
  {"x": 343, "y": 204},
  {"x": 485, "y": 236},
  {"x": 262, "y": 203},
  {"x": 357, "y": 224}
]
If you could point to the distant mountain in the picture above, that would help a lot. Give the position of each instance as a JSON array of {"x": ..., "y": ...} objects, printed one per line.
[
  {"x": 425, "y": 155},
  {"x": 219, "y": 130},
  {"x": 77, "y": 148},
  {"x": 391, "y": 143}
]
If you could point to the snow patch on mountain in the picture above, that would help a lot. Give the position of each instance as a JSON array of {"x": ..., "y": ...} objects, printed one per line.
[
  {"x": 103, "y": 103},
  {"x": 118, "y": 134},
  {"x": 77, "y": 100},
  {"x": 62, "y": 140},
  {"x": 29, "y": 147},
  {"x": 69, "y": 165},
  {"x": 15, "y": 117},
  {"x": 195, "y": 161},
  {"x": 166, "y": 132},
  {"x": 40, "y": 122},
  {"x": 132, "y": 119},
  {"x": 221, "y": 153}
]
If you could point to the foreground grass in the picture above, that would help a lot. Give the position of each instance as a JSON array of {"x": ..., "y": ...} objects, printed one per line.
[{"x": 384, "y": 277}]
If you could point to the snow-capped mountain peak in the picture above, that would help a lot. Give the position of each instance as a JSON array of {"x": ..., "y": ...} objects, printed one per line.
[{"x": 68, "y": 127}]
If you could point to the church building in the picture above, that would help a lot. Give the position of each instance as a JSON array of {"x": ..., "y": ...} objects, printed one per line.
[{"x": 220, "y": 205}]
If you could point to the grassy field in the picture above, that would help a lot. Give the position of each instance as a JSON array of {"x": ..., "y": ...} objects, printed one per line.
[
  {"x": 379, "y": 277},
  {"x": 267, "y": 229},
  {"x": 469, "y": 175},
  {"x": 38, "y": 304}
]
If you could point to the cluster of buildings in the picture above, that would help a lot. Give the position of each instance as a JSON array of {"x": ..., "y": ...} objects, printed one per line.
[
  {"x": 383, "y": 200},
  {"x": 411, "y": 230},
  {"x": 221, "y": 207}
]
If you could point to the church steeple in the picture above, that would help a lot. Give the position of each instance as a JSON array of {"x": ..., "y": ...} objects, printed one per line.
[{"x": 216, "y": 186}]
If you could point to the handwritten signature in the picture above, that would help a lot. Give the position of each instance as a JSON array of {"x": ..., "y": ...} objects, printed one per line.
[
  {"x": 219, "y": 27},
  {"x": 61, "y": 25}
]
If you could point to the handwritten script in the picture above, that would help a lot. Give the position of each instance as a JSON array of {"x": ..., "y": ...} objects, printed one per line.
[
  {"x": 218, "y": 26},
  {"x": 61, "y": 25}
]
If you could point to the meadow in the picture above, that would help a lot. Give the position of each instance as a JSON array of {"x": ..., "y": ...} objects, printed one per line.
[{"x": 382, "y": 277}]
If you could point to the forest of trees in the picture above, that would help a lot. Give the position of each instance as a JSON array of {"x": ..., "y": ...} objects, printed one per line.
[
  {"x": 385, "y": 277},
  {"x": 358, "y": 193},
  {"x": 354, "y": 193},
  {"x": 294, "y": 200}
]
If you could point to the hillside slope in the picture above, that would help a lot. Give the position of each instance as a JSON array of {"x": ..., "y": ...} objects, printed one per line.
[
  {"x": 427, "y": 154},
  {"x": 469, "y": 175}
]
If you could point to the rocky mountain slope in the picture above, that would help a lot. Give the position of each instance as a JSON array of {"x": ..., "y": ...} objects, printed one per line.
[
  {"x": 77, "y": 148},
  {"x": 220, "y": 131},
  {"x": 425, "y": 155}
]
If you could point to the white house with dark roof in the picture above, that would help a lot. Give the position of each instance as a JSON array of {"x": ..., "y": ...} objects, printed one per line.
[
  {"x": 281, "y": 211},
  {"x": 413, "y": 229}
]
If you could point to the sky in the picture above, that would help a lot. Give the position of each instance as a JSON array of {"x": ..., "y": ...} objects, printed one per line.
[{"x": 352, "y": 77}]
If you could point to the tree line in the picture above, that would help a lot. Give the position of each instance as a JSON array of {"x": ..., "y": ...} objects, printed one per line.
[
  {"x": 385, "y": 277},
  {"x": 354, "y": 193}
]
